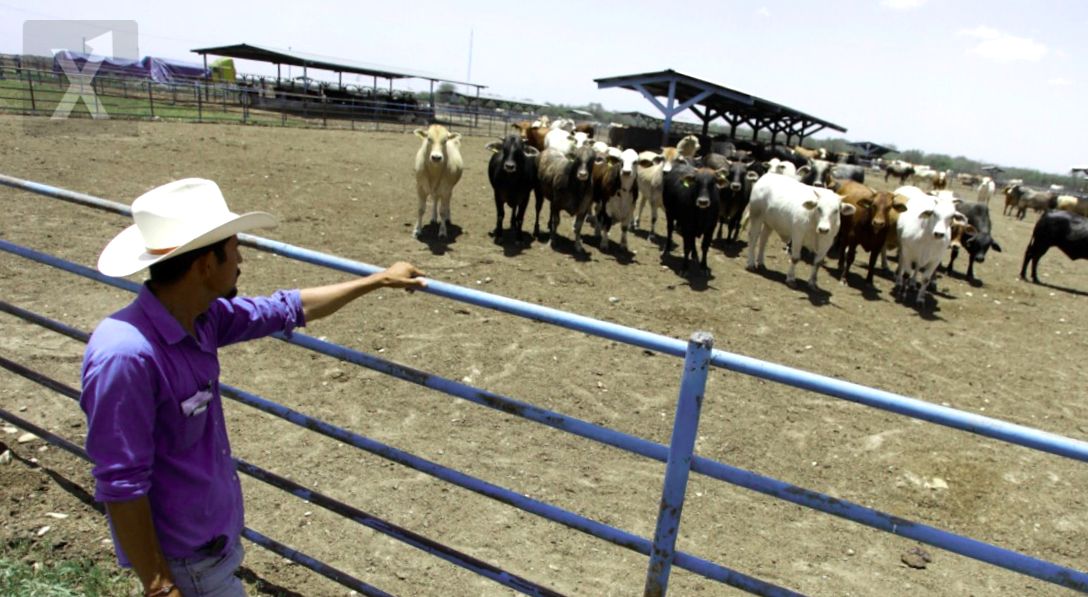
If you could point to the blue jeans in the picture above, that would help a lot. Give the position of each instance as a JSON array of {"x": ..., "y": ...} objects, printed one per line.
[{"x": 212, "y": 576}]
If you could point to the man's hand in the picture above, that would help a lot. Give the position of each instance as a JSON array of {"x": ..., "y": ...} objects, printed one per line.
[{"x": 403, "y": 275}]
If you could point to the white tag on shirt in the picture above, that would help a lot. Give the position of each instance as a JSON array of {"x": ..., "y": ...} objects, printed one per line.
[{"x": 197, "y": 403}]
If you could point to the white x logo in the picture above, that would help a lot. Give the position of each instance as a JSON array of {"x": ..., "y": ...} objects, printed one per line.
[{"x": 80, "y": 87}]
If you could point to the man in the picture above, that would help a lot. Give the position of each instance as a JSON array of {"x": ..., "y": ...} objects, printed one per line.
[{"x": 151, "y": 384}]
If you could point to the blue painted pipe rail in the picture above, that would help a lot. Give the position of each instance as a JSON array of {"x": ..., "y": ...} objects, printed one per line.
[
  {"x": 884, "y": 400},
  {"x": 611, "y": 534},
  {"x": 319, "y": 567},
  {"x": 985, "y": 426},
  {"x": 911, "y": 407},
  {"x": 681, "y": 449},
  {"x": 966, "y": 546}
]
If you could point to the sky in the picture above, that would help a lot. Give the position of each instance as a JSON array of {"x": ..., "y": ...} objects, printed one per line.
[{"x": 996, "y": 81}]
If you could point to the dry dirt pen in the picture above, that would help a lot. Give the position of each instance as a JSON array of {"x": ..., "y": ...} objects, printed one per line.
[{"x": 1004, "y": 349}]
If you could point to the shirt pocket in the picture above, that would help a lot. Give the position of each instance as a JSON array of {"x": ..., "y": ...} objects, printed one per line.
[{"x": 190, "y": 421}]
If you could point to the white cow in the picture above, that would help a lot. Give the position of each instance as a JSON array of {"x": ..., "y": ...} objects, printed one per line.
[
  {"x": 438, "y": 169},
  {"x": 652, "y": 168},
  {"x": 782, "y": 167},
  {"x": 804, "y": 216},
  {"x": 924, "y": 232},
  {"x": 986, "y": 190},
  {"x": 564, "y": 141}
]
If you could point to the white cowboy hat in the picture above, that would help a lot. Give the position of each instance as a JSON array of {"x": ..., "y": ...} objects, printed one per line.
[{"x": 177, "y": 217}]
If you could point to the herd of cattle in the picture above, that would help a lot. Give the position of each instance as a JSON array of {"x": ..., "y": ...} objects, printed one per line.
[{"x": 809, "y": 201}]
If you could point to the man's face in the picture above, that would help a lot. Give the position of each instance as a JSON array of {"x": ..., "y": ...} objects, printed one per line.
[{"x": 225, "y": 275}]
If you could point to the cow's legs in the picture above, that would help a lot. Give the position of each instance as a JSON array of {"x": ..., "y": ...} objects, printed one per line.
[
  {"x": 755, "y": 227},
  {"x": 578, "y": 221},
  {"x": 419, "y": 214},
  {"x": 500, "y": 213},
  {"x": 446, "y": 197},
  {"x": 795, "y": 256}
]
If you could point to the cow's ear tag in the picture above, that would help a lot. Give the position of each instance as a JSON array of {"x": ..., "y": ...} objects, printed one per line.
[{"x": 687, "y": 182}]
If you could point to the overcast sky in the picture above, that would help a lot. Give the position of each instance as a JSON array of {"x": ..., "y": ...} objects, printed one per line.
[{"x": 997, "y": 81}]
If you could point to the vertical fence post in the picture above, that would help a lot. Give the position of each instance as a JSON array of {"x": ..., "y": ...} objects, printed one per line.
[
  {"x": 30, "y": 84},
  {"x": 199, "y": 104},
  {"x": 150, "y": 100},
  {"x": 681, "y": 448}
]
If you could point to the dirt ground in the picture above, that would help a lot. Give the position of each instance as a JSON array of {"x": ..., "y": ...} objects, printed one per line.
[{"x": 1004, "y": 348}]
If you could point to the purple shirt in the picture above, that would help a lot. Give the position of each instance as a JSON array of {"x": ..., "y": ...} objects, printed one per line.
[{"x": 140, "y": 366}]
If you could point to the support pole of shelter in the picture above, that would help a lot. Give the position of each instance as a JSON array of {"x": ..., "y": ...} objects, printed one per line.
[
  {"x": 206, "y": 76},
  {"x": 668, "y": 113}
]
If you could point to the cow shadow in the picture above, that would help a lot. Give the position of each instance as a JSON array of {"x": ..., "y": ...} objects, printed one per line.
[
  {"x": 693, "y": 276},
  {"x": 974, "y": 282},
  {"x": 565, "y": 246},
  {"x": 856, "y": 281},
  {"x": 1072, "y": 291},
  {"x": 428, "y": 235},
  {"x": 929, "y": 310},
  {"x": 817, "y": 296},
  {"x": 512, "y": 245},
  {"x": 622, "y": 256},
  {"x": 730, "y": 248}
]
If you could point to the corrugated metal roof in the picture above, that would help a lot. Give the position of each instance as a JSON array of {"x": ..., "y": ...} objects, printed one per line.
[
  {"x": 718, "y": 98},
  {"x": 296, "y": 58}
]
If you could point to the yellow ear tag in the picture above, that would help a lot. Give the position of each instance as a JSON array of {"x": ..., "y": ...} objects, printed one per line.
[{"x": 687, "y": 182}]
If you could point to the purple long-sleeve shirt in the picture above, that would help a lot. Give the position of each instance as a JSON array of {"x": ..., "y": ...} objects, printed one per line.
[{"x": 139, "y": 369}]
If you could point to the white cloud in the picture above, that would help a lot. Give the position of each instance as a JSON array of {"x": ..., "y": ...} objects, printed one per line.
[
  {"x": 902, "y": 4},
  {"x": 1060, "y": 82},
  {"x": 1004, "y": 47},
  {"x": 764, "y": 12}
]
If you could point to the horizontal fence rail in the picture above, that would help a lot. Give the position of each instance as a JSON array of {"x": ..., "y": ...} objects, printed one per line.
[
  {"x": 296, "y": 556},
  {"x": 253, "y": 101},
  {"x": 829, "y": 386},
  {"x": 396, "y": 532},
  {"x": 887, "y": 401}
]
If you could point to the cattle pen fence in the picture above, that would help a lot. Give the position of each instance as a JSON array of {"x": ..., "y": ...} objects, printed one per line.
[
  {"x": 52, "y": 95},
  {"x": 698, "y": 354}
]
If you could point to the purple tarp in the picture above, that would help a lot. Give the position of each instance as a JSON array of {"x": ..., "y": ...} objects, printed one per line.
[{"x": 159, "y": 70}]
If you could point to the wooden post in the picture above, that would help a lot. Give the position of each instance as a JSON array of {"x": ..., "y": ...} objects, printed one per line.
[{"x": 150, "y": 99}]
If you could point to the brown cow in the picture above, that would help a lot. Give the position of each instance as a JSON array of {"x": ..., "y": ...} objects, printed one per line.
[
  {"x": 873, "y": 220},
  {"x": 533, "y": 135}
]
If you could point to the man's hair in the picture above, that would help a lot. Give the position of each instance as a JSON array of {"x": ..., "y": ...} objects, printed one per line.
[{"x": 172, "y": 269}]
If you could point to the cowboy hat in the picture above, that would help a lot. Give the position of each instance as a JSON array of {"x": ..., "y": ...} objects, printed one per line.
[{"x": 177, "y": 217}]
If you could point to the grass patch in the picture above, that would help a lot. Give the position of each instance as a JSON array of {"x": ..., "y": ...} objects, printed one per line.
[{"x": 55, "y": 576}]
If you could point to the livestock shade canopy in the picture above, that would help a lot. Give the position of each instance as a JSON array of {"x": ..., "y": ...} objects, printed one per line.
[
  {"x": 305, "y": 59},
  {"x": 710, "y": 101}
]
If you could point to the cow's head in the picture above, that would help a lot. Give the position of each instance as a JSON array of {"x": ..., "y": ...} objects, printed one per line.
[
  {"x": 435, "y": 139},
  {"x": 671, "y": 156},
  {"x": 629, "y": 157},
  {"x": 514, "y": 152}
]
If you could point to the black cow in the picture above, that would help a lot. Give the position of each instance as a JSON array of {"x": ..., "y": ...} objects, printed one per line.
[
  {"x": 817, "y": 173},
  {"x": 976, "y": 239},
  {"x": 513, "y": 175},
  {"x": 1056, "y": 228},
  {"x": 692, "y": 205},
  {"x": 900, "y": 170},
  {"x": 735, "y": 196}
]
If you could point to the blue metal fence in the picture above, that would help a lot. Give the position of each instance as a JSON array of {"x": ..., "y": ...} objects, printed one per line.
[{"x": 680, "y": 460}]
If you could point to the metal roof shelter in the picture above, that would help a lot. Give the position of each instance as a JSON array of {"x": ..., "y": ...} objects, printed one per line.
[
  {"x": 306, "y": 60},
  {"x": 710, "y": 101},
  {"x": 870, "y": 150}
]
